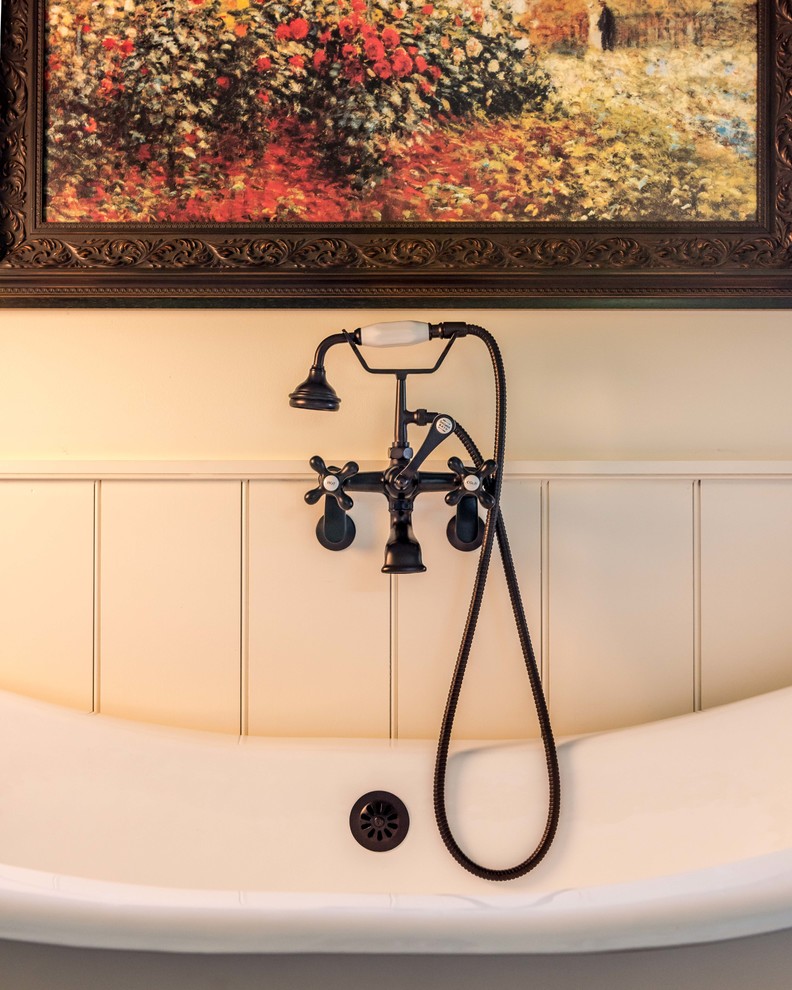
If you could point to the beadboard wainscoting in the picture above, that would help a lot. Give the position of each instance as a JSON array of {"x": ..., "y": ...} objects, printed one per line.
[{"x": 195, "y": 594}]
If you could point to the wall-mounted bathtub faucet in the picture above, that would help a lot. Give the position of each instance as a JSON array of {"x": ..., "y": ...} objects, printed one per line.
[
  {"x": 402, "y": 481},
  {"x": 466, "y": 489}
]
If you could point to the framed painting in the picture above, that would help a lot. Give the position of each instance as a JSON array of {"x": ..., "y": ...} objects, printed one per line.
[{"x": 394, "y": 152}]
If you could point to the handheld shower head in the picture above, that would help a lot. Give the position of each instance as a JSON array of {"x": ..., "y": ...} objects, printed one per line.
[{"x": 315, "y": 393}]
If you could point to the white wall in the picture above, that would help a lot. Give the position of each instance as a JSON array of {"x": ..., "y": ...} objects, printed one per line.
[
  {"x": 212, "y": 384},
  {"x": 158, "y": 561}
]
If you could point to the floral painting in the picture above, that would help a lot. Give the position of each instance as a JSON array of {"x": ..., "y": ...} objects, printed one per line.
[{"x": 317, "y": 111}]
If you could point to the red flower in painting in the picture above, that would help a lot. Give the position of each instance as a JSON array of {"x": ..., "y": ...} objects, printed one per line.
[
  {"x": 109, "y": 43},
  {"x": 297, "y": 62},
  {"x": 223, "y": 82},
  {"x": 435, "y": 71},
  {"x": 421, "y": 64},
  {"x": 358, "y": 6},
  {"x": 383, "y": 69},
  {"x": 374, "y": 49},
  {"x": 263, "y": 63},
  {"x": 91, "y": 126},
  {"x": 319, "y": 58},
  {"x": 86, "y": 28},
  {"x": 299, "y": 28},
  {"x": 349, "y": 51},
  {"x": 283, "y": 32},
  {"x": 428, "y": 8},
  {"x": 390, "y": 37},
  {"x": 402, "y": 63},
  {"x": 348, "y": 27},
  {"x": 127, "y": 46}
]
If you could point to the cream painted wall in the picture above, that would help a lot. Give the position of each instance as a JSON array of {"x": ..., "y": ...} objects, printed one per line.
[
  {"x": 212, "y": 384},
  {"x": 651, "y": 564}
]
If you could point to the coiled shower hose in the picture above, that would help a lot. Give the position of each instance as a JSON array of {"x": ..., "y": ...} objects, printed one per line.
[{"x": 495, "y": 526}]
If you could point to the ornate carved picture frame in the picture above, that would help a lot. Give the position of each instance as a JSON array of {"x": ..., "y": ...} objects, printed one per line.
[{"x": 572, "y": 261}]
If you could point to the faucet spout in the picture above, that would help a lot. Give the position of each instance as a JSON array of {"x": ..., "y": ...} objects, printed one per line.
[{"x": 402, "y": 551}]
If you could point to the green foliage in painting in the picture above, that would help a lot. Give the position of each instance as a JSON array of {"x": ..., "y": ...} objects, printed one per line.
[{"x": 174, "y": 78}]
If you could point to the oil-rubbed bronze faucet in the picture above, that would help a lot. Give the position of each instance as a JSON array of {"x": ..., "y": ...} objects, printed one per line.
[
  {"x": 401, "y": 481},
  {"x": 466, "y": 489}
]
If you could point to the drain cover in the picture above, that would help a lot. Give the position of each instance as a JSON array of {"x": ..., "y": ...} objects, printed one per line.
[{"x": 379, "y": 821}]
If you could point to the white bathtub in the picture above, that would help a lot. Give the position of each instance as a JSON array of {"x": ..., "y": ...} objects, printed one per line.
[{"x": 119, "y": 835}]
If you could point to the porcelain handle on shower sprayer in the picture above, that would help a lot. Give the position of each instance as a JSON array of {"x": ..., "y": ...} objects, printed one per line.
[{"x": 396, "y": 333}]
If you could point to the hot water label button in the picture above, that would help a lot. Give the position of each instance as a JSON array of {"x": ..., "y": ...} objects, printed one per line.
[
  {"x": 330, "y": 483},
  {"x": 471, "y": 482},
  {"x": 444, "y": 425}
]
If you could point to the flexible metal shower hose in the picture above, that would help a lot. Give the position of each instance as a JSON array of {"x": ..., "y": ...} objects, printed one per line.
[{"x": 495, "y": 526}]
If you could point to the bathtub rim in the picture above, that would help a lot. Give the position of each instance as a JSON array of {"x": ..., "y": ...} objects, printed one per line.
[
  {"x": 736, "y": 899},
  {"x": 716, "y": 904}
]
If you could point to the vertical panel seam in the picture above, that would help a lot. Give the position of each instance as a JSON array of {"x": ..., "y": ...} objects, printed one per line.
[
  {"x": 697, "y": 590},
  {"x": 544, "y": 587},
  {"x": 97, "y": 620},
  {"x": 244, "y": 609},
  {"x": 393, "y": 671}
]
